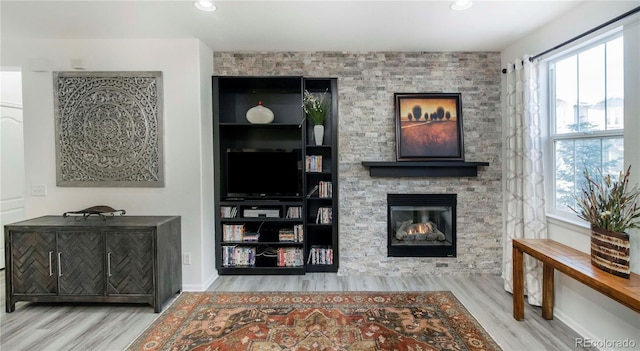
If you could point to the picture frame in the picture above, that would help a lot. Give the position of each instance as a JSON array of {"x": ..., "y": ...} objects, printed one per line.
[{"x": 429, "y": 127}]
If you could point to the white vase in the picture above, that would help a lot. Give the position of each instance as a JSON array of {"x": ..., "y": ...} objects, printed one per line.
[
  {"x": 318, "y": 133},
  {"x": 259, "y": 114}
]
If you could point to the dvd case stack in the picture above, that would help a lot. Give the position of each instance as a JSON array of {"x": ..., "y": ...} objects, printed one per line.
[
  {"x": 321, "y": 255},
  {"x": 238, "y": 256},
  {"x": 290, "y": 257},
  {"x": 298, "y": 232},
  {"x": 286, "y": 234},
  {"x": 313, "y": 163},
  {"x": 294, "y": 212},
  {"x": 228, "y": 211},
  {"x": 325, "y": 189},
  {"x": 295, "y": 234},
  {"x": 324, "y": 215},
  {"x": 232, "y": 232}
]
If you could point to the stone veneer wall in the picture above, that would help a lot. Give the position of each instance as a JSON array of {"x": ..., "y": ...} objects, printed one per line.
[{"x": 366, "y": 84}]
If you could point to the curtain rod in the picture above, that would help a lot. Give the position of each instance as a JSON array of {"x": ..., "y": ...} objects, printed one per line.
[{"x": 626, "y": 14}]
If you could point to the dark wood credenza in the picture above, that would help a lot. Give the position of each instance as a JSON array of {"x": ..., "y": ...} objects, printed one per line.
[{"x": 122, "y": 259}]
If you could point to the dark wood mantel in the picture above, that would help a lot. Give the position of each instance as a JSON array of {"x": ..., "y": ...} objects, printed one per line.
[{"x": 423, "y": 168}]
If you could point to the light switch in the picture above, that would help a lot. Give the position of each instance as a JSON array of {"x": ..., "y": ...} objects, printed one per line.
[{"x": 39, "y": 189}]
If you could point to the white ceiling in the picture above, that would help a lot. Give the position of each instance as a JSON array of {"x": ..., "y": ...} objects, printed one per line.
[{"x": 302, "y": 25}]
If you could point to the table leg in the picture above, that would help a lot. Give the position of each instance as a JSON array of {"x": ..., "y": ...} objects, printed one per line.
[
  {"x": 518, "y": 284},
  {"x": 547, "y": 291}
]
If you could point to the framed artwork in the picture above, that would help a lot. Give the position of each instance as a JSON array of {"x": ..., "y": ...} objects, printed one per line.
[
  {"x": 429, "y": 127},
  {"x": 108, "y": 129}
]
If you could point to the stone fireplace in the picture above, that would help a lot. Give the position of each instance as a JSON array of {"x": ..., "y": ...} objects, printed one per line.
[{"x": 421, "y": 225}]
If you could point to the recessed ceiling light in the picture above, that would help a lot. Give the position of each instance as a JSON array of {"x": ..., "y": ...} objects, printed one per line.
[
  {"x": 205, "y": 5},
  {"x": 460, "y": 5}
]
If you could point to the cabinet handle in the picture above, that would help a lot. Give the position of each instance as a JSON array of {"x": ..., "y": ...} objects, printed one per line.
[
  {"x": 109, "y": 264},
  {"x": 59, "y": 264},
  {"x": 50, "y": 263}
]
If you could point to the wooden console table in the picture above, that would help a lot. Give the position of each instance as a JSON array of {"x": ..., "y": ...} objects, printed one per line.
[{"x": 575, "y": 264}]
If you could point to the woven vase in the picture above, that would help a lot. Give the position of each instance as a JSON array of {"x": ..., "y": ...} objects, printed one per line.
[{"x": 610, "y": 251}]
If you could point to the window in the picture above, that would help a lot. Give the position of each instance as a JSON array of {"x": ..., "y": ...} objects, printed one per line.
[{"x": 586, "y": 100}]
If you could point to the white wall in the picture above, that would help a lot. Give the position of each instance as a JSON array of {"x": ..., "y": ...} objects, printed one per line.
[
  {"x": 185, "y": 63},
  {"x": 588, "y": 312}
]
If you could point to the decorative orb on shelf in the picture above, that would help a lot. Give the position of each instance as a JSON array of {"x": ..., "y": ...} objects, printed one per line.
[{"x": 259, "y": 114}]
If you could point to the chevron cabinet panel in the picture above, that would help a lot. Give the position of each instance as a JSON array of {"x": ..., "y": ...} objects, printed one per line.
[
  {"x": 33, "y": 262},
  {"x": 130, "y": 263},
  {"x": 81, "y": 263},
  {"x": 127, "y": 259}
]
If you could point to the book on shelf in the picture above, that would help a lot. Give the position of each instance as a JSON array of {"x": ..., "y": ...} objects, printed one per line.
[
  {"x": 313, "y": 190},
  {"x": 232, "y": 232},
  {"x": 238, "y": 256},
  {"x": 228, "y": 211},
  {"x": 313, "y": 163},
  {"x": 324, "y": 215},
  {"x": 320, "y": 255}
]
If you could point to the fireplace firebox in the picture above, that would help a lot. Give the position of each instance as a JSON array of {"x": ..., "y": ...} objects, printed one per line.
[{"x": 421, "y": 225}]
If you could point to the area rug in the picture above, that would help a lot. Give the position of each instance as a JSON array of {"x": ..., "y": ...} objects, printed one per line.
[{"x": 315, "y": 321}]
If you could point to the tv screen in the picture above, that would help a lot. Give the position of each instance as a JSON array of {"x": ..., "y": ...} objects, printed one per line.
[{"x": 264, "y": 173}]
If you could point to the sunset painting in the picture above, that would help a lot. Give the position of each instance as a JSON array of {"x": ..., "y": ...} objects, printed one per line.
[{"x": 429, "y": 126}]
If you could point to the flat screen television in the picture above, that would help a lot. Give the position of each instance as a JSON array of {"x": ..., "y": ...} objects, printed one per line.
[{"x": 264, "y": 173}]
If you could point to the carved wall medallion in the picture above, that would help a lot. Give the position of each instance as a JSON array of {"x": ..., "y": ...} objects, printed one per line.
[{"x": 109, "y": 129}]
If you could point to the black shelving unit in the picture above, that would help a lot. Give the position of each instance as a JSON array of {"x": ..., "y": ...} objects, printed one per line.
[{"x": 274, "y": 251}]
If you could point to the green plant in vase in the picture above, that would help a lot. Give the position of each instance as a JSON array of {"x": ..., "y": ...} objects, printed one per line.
[
  {"x": 315, "y": 106},
  {"x": 610, "y": 206}
]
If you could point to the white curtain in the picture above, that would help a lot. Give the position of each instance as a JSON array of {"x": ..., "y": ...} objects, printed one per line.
[{"x": 524, "y": 208}]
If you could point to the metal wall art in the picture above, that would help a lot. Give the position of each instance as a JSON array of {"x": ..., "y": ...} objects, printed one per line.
[{"x": 109, "y": 129}]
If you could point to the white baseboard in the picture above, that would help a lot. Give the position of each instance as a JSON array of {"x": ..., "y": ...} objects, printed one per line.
[{"x": 200, "y": 287}]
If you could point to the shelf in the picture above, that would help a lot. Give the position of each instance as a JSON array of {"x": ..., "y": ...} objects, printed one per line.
[
  {"x": 253, "y": 270},
  {"x": 423, "y": 168},
  {"x": 255, "y": 243},
  {"x": 289, "y": 131}
]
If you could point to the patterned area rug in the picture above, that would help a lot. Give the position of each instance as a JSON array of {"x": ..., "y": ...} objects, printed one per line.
[{"x": 324, "y": 321}]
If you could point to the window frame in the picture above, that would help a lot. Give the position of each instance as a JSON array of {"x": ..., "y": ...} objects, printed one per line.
[{"x": 552, "y": 137}]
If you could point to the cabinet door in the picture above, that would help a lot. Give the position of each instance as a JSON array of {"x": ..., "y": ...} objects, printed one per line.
[
  {"x": 130, "y": 262},
  {"x": 81, "y": 256},
  {"x": 33, "y": 262}
]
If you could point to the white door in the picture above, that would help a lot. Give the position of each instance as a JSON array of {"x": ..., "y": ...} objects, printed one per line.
[{"x": 12, "y": 185}]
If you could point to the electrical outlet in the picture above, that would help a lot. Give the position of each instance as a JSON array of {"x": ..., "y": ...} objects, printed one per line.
[{"x": 186, "y": 258}]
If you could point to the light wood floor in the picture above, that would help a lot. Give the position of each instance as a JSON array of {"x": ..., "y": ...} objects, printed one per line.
[{"x": 107, "y": 327}]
